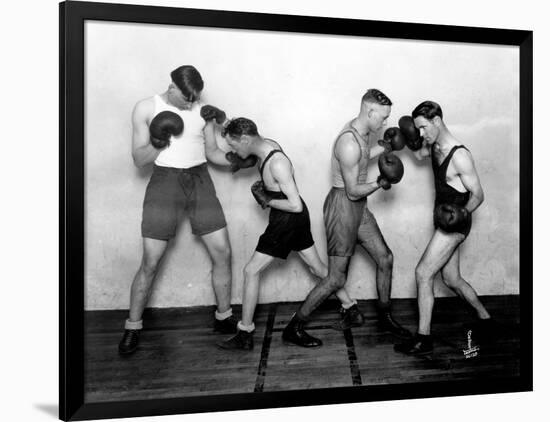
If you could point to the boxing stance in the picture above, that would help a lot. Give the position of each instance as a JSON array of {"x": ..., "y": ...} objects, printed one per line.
[
  {"x": 172, "y": 131},
  {"x": 458, "y": 194},
  {"x": 348, "y": 220},
  {"x": 289, "y": 223}
]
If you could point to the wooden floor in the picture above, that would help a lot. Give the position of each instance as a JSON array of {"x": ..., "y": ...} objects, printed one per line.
[{"x": 177, "y": 356}]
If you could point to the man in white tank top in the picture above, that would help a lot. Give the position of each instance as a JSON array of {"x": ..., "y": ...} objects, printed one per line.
[{"x": 180, "y": 180}]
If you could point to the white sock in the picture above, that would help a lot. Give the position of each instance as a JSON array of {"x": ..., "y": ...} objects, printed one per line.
[
  {"x": 349, "y": 305},
  {"x": 133, "y": 325},
  {"x": 223, "y": 315},
  {"x": 247, "y": 328}
]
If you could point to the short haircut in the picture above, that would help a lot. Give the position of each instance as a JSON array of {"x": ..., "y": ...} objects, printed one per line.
[
  {"x": 376, "y": 96},
  {"x": 239, "y": 127},
  {"x": 188, "y": 80},
  {"x": 428, "y": 110}
]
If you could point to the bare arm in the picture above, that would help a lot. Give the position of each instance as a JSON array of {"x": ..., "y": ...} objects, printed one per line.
[
  {"x": 464, "y": 164},
  {"x": 375, "y": 151},
  {"x": 142, "y": 151},
  {"x": 281, "y": 170},
  {"x": 348, "y": 155},
  {"x": 213, "y": 153}
]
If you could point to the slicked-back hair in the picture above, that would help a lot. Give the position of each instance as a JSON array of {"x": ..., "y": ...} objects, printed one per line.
[
  {"x": 239, "y": 127},
  {"x": 374, "y": 95},
  {"x": 188, "y": 80},
  {"x": 428, "y": 110}
]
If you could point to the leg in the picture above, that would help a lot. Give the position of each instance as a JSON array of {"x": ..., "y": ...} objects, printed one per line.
[
  {"x": 219, "y": 249},
  {"x": 372, "y": 240},
  {"x": 453, "y": 279},
  {"x": 338, "y": 267},
  {"x": 153, "y": 251},
  {"x": 311, "y": 257},
  {"x": 252, "y": 272},
  {"x": 438, "y": 252}
]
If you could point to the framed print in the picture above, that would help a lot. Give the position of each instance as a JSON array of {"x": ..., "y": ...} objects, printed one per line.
[{"x": 265, "y": 211}]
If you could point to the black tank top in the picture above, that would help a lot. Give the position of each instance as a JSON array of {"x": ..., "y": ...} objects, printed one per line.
[
  {"x": 272, "y": 194},
  {"x": 444, "y": 193}
]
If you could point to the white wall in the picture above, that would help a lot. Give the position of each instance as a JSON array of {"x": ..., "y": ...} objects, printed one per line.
[{"x": 300, "y": 89}]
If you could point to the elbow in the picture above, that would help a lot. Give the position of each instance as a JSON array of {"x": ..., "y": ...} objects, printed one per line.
[
  {"x": 351, "y": 195},
  {"x": 297, "y": 208},
  {"x": 138, "y": 162}
]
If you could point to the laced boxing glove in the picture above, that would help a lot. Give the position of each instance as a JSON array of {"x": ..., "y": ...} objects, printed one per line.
[
  {"x": 391, "y": 168},
  {"x": 413, "y": 140},
  {"x": 393, "y": 140},
  {"x": 238, "y": 163},
  {"x": 260, "y": 195},
  {"x": 163, "y": 126},
  {"x": 209, "y": 112},
  {"x": 450, "y": 217}
]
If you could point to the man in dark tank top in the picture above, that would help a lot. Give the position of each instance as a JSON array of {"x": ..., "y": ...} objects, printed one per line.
[
  {"x": 289, "y": 227},
  {"x": 458, "y": 193}
]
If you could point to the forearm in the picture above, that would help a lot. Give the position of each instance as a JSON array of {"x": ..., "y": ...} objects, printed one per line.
[
  {"x": 361, "y": 190},
  {"x": 144, "y": 155},
  {"x": 286, "y": 205},
  {"x": 217, "y": 156},
  {"x": 475, "y": 201},
  {"x": 376, "y": 151}
]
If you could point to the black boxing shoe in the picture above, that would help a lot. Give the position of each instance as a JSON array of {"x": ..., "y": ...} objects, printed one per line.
[
  {"x": 294, "y": 333},
  {"x": 351, "y": 317},
  {"x": 129, "y": 342},
  {"x": 243, "y": 340},
  {"x": 387, "y": 323},
  {"x": 226, "y": 326},
  {"x": 418, "y": 345}
]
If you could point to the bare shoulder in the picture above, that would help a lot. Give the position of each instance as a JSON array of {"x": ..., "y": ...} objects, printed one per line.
[
  {"x": 280, "y": 163},
  {"x": 144, "y": 109},
  {"x": 462, "y": 159},
  {"x": 347, "y": 148}
]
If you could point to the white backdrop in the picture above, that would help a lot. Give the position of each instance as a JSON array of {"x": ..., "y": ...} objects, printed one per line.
[
  {"x": 300, "y": 89},
  {"x": 29, "y": 362}
]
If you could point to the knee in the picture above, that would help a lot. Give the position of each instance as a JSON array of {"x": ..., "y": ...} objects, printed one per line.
[
  {"x": 321, "y": 272},
  {"x": 250, "y": 271},
  {"x": 423, "y": 277},
  {"x": 221, "y": 255},
  {"x": 451, "y": 282},
  {"x": 149, "y": 267},
  {"x": 385, "y": 261},
  {"x": 336, "y": 282}
]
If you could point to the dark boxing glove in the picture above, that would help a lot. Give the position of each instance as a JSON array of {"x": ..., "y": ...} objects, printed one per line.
[
  {"x": 450, "y": 217},
  {"x": 393, "y": 140},
  {"x": 260, "y": 195},
  {"x": 209, "y": 113},
  {"x": 163, "y": 126},
  {"x": 413, "y": 140},
  {"x": 238, "y": 163},
  {"x": 383, "y": 183},
  {"x": 391, "y": 168}
]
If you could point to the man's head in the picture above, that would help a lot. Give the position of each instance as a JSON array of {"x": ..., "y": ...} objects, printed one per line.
[
  {"x": 428, "y": 118},
  {"x": 376, "y": 107},
  {"x": 186, "y": 86},
  {"x": 240, "y": 133}
]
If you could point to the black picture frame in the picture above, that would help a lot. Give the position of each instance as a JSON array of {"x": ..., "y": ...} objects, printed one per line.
[{"x": 72, "y": 17}]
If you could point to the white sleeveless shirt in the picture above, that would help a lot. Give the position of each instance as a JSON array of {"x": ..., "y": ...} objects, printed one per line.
[{"x": 186, "y": 150}]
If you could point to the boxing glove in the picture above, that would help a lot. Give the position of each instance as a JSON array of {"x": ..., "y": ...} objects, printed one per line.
[
  {"x": 238, "y": 163},
  {"x": 391, "y": 167},
  {"x": 413, "y": 140},
  {"x": 383, "y": 183},
  {"x": 450, "y": 217},
  {"x": 163, "y": 126},
  {"x": 393, "y": 140},
  {"x": 209, "y": 113},
  {"x": 260, "y": 195}
]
